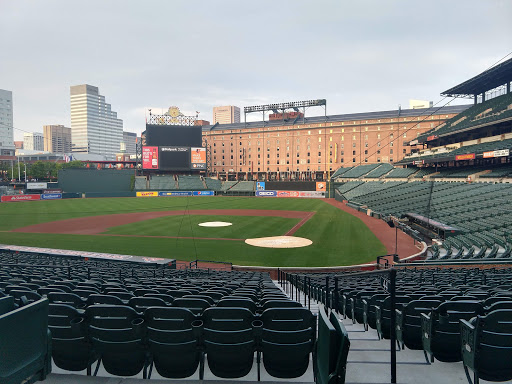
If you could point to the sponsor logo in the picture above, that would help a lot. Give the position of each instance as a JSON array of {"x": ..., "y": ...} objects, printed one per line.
[
  {"x": 498, "y": 153},
  {"x": 175, "y": 193},
  {"x": 320, "y": 186},
  {"x": 433, "y": 137},
  {"x": 266, "y": 193},
  {"x": 468, "y": 156},
  {"x": 147, "y": 194},
  {"x": 203, "y": 193},
  {"x": 20, "y": 198},
  {"x": 51, "y": 196}
]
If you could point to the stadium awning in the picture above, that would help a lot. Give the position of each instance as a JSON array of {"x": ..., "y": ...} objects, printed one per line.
[{"x": 490, "y": 79}]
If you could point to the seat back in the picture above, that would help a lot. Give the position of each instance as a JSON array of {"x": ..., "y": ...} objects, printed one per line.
[
  {"x": 288, "y": 337},
  {"x": 229, "y": 341},
  {"x": 25, "y": 345},
  {"x": 117, "y": 333},
  {"x": 173, "y": 339}
]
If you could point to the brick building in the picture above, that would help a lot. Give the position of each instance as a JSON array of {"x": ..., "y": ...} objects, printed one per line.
[{"x": 315, "y": 146}]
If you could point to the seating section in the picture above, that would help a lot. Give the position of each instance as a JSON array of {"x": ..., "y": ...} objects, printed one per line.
[
  {"x": 401, "y": 173},
  {"x": 190, "y": 183},
  {"x": 227, "y": 185},
  {"x": 162, "y": 183},
  {"x": 431, "y": 304},
  {"x": 244, "y": 186},
  {"x": 340, "y": 171},
  {"x": 380, "y": 171},
  {"x": 130, "y": 318},
  {"x": 369, "y": 187},
  {"x": 479, "y": 210},
  {"x": 359, "y": 171},
  {"x": 487, "y": 112},
  {"x": 140, "y": 183},
  {"x": 213, "y": 184}
]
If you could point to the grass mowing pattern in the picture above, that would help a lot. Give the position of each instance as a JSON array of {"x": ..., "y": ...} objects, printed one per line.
[
  {"x": 338, "y": 237},
  {"x": 243, "y": 227}
]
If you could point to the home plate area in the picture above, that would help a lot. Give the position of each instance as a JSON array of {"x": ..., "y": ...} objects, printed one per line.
[
  {"x": 215, "y": 224},
  {"x": 279, "y": 242}
]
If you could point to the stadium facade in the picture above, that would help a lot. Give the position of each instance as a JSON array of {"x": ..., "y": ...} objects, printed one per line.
[{"x": 312, "y": 147}]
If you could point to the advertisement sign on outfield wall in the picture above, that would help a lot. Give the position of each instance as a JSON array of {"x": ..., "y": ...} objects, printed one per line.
[
  {"x": 20, "y": 198},
  {"x": 175, "y": 193},
  {"x": 51, "y": 196},
  {"x": 260, "y": 185},
  {"x": 307, "y": 194},
  {"x": 321, "y": 185},
  {"x": 266, "y": 193},
  {"x": 146, "y": 194},
  {"x": 204, "y": 193}
]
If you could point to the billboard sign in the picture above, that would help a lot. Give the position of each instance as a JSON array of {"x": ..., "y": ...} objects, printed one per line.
[
  {"x": 416, "y": 162},
  {"x": 37, "y": 185},
  {"x": 147, "y": 194},
  {"x": 20, "y": 198},
  {"x": 260, "y": 185},
  {"x": 51, "y": 196},
  {"x": 198, "y": 158},
  {"x": 499, "y": 153},
  {"x": 53, "y": 190},
  {"x": 321, "y": 186},
  {"x": 149, "y": 157},
  {"x": 203, "y": 193},
  {"x": 432, "y": 137},
  {"x": 306, "y": 194},
  {"x": 467, "y": 156},
  {"x": 175, "y": 193},
  {"x": 266, "y": 193}
]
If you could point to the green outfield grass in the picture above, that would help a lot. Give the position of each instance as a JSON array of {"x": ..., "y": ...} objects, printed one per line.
[
  {"x": 338, "y": 238},
  {"x": 243, "y": 227}
]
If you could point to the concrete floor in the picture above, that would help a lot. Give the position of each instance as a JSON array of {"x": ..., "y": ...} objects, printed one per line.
[{"x": 368, "y": 363}]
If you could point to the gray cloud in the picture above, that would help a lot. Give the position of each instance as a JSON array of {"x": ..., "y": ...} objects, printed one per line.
[{"x": 360, "y": 55}]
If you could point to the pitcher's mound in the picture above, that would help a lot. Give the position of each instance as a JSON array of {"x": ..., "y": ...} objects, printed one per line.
[
  {"x": 279, "y": 242},
  {"x": 215, "y": 224}
]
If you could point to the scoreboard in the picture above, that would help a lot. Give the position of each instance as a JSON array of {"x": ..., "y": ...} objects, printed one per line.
[{"x": 173, "y": 148}]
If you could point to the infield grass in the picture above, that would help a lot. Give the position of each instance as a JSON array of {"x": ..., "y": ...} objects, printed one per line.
[
  {"x": 338, "y": 237},
  {"x": 243, "y": 227}
]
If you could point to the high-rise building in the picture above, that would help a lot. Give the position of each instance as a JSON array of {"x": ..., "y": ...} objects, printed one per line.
[
  {"x": 226, "y": 115},
  {"x": 6, "y": 124},
  {"x": 95, "y": 128},
  {"x": 130, "y": 142},
  {"x": 33, "y": 141},
  {"x": 57, "y": 139}
]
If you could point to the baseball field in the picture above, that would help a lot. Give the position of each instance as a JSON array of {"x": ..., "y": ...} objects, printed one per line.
[{"x": 169, "y": 227}]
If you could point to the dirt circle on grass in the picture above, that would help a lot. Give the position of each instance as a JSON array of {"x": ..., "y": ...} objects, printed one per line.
[
  {"x": 215, "y": 224},
  {"x": 279, "y": 242}
]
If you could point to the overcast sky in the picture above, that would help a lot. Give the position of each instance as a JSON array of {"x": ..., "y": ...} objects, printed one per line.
[{"x": 359, "y": 55}]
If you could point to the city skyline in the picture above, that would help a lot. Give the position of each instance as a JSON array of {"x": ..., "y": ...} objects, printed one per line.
[{"x": 403, "y": 52}]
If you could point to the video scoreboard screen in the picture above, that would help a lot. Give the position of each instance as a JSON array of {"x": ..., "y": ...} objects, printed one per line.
[{"x": 173, "y": 148}]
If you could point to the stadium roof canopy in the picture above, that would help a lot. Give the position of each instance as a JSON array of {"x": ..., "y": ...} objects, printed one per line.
[{"x": 487, "y": 80}]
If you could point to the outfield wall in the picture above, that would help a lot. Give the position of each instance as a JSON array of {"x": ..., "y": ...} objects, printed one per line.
[{"x": 83, "y": 180}]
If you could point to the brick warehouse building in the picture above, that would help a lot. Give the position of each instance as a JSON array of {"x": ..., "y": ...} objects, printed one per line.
[{"x": 311, "y": 148}]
